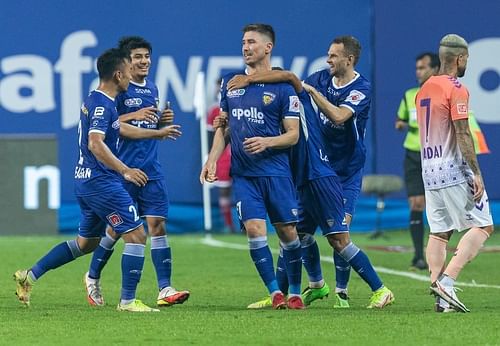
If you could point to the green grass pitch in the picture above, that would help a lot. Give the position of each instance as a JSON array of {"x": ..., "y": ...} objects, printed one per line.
[{"x": 222, "y": 282}]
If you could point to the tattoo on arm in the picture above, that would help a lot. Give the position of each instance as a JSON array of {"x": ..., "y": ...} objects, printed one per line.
[{"x": 466, "y": 144}]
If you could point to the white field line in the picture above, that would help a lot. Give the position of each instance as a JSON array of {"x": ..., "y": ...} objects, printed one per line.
[{"x": 209, "y": 241}]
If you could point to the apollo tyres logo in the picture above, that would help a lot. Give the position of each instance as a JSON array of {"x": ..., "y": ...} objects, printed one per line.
[
  {"x": 482, "y": 78},
  {"x": 252, "y": 114}
]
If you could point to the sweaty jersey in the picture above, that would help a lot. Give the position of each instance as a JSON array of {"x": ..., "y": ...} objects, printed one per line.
[
  {"x": 258, "y": 110},
  {"x": 98, "y": 114},
  {"x": 344, "y": 142},
  {"x": 440, "y": 101},
  {"x": 308, "y": 158},
  {"x": 140, "y": 153}
]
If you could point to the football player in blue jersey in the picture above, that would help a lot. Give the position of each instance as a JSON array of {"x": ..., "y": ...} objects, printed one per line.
[
  {"x": 138, "y": 106},
  {"x": 343, "y": 148},
  {"x": 98, "y": 186},
  {"x": 263, "y": 122}
]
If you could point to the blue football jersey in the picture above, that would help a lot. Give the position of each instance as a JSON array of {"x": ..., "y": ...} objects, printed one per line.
[
  {"x": 143, "y": 153},
  {"x": 308, "y": 157},
  {"x": 98, "y": 114},
  {"x": 258, "y": 110},
  {"x": 344, "y": 142}
]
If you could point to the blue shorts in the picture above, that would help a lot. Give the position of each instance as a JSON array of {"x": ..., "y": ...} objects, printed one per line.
[
  {"x": 115, "y": 208},
  {"x": 152, "y": 199},
  {"x": 321, "y": 204},
  {"x": 351, "y": 186},
  {"x": 257, "y": 196}
]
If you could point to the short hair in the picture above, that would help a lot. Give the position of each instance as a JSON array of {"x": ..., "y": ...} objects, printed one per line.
[
  {"x": 128, "y": 43},
  {"x": 110, "y": 61},
  {"x": 351, "y": 46},
  {"x": 451, "y": 46},
  {"x": 264, "y": 29},
  {"x": 433, "y": 57}
]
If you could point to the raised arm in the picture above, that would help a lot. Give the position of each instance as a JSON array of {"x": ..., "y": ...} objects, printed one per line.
[
  {"x": 338, "y": 115},
  {"x": 274, "y": 76}
]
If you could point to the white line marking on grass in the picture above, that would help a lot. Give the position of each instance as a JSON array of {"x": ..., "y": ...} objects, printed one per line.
[{"x": 209, "y": 241}]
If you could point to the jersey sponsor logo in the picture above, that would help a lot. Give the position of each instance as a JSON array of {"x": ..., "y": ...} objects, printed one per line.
[
  {"x": 253, "y": 115},
  {"x": 268, "y": 98},
  {"x": 144, "y": 124},
  {"x": 136, "y": 101},
  {"x": 462, "y": 108},
  {"x": 114, "y": 219},
  {"x": 143, "y": 91},
  {"x": 327, "y": 122},
  {"x": 235, "y": 93},
  {"x": 294, "y": 104},
  {"x": 355, "y": 97},
  {"x": 332, "y": 91},
  {"x": 116, "y": 124},
  {"x": 82, "y": 172}
]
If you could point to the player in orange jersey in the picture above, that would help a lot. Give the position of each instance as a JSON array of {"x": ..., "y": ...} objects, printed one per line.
[{"x": 454, "y": 188}]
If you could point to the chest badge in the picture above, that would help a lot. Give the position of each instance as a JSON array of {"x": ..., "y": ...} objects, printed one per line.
[{"x": 268, "y": 98}]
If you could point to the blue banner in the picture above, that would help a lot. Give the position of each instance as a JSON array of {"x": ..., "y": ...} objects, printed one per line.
[{"x": 47, "y": 62}]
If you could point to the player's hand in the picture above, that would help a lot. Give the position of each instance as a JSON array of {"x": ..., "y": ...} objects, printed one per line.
[
  {"x": 256, "y": 145},
  {"x": 208, "y": 172},
  {"x": 147, "y": 114},
  {"x": 237, "y": 82},
  {"x": 400, "y": 125},
  {"x": 170, "y": 132},
  {"x": 135, "y": 176},
  {"x": 220, "y": 121},
  {"x": 167, "y": 117},
  {"x": 478, "y": 187},
  {"x": 307, "y": 87}
]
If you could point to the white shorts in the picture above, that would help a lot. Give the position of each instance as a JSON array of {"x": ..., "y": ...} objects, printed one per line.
[{"x": 452, "y": 208}]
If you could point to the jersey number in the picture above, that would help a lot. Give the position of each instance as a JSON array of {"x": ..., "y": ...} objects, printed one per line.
[
  {"x": 427, "y": 104},
  {"x": 134, "y": 211}
]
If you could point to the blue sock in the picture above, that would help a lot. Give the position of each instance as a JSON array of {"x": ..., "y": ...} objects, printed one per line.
[
  {"x": 361, "y": 264},
  {"x": 59, "y": 255},
  {"x": 162, "y": 260},
  {"x": 132, "y": 264},
  {"x": 101, "y": 256},
  {"x": 342, "y": 271},
  {"x": 311, "y": 258},
  {"x": 292, "y": 254},
  {"x": 263, "y": 259},
  {"x": 281, "y": 275}
]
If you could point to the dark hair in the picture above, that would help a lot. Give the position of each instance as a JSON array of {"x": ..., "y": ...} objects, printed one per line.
[
  {"x": 351, "y": 46},
  {"x": 264, "y": 29},
  {"x": 433, "y": 57},
  {"x": 110, "y": 61},
  {"x": 128, "y": 43}
]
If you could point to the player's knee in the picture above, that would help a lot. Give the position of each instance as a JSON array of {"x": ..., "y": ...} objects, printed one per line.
[
  {"x": 489, "y": 229},
  {"x": 137, "y": 236},
  {"x": 111, "y": 232},
  {"x": 255, "y": 229},
  {"x": 339, "y": 241},
  {"x": 83, "y": 246},
  {"x": 286, "y": 232},
  {"x": 443, "y": 235},
  {"x": 156, "y": 227}
]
